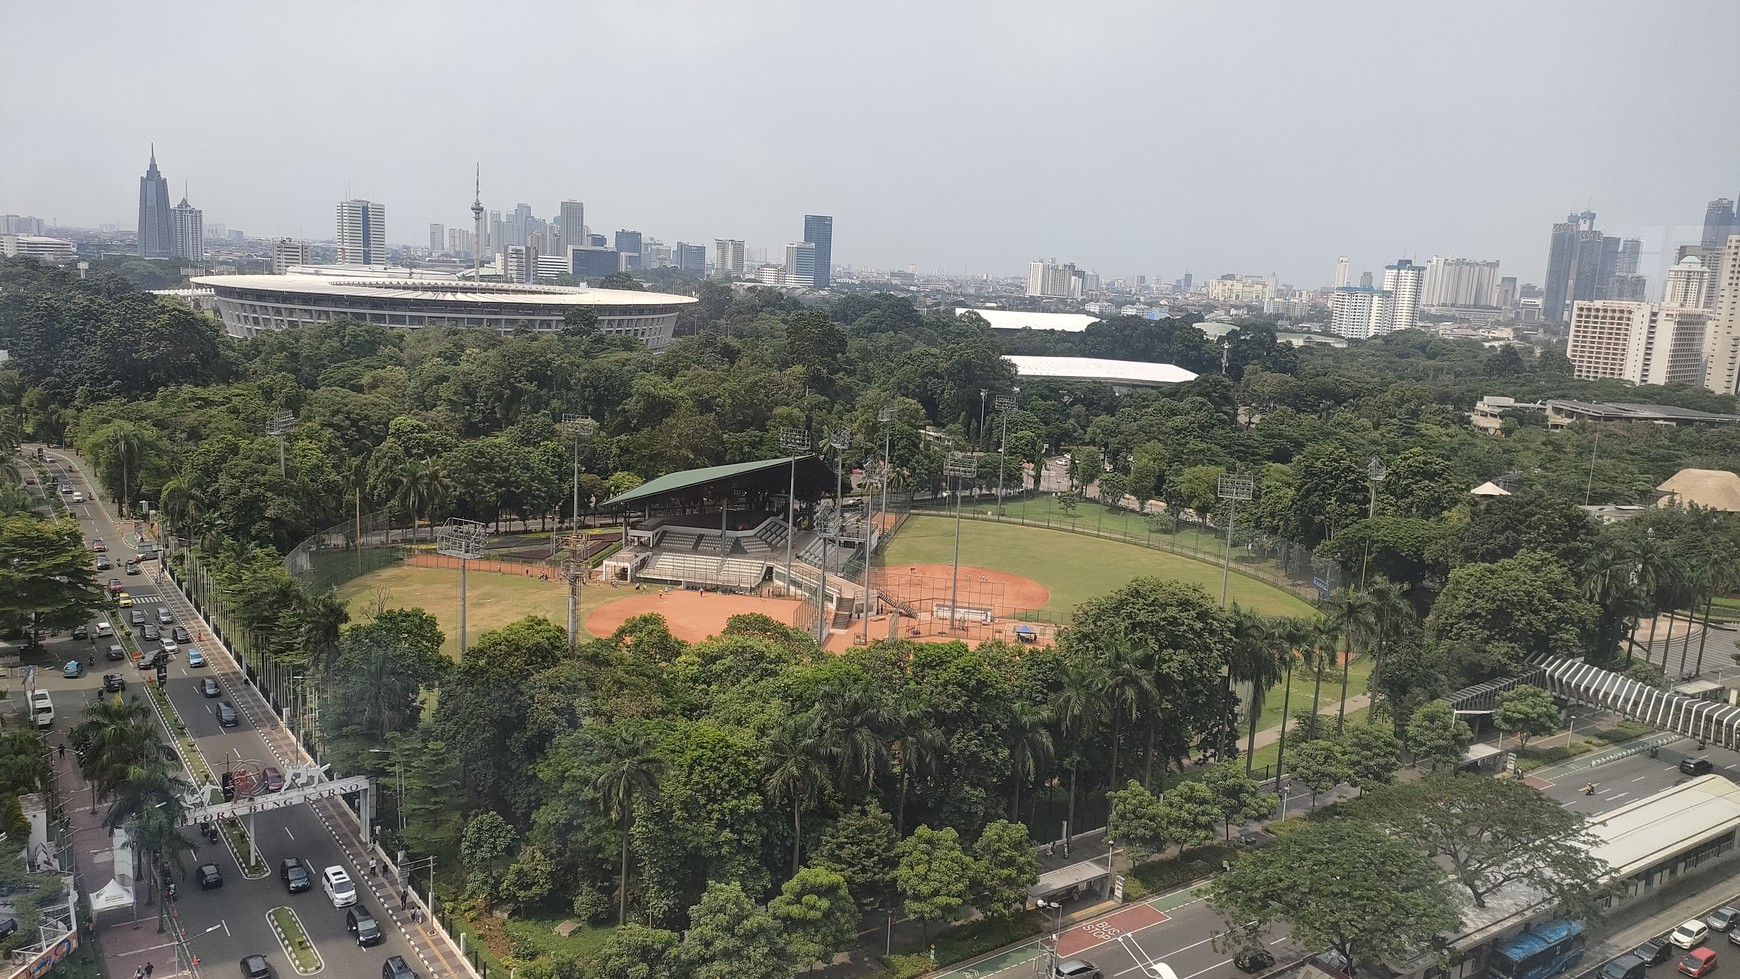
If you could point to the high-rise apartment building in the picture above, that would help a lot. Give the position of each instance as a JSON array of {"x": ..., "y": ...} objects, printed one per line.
[
  {"x": 1459, "y": 282},
  {"x": 1722, "y": 343},
  {"x": 1688, "y": 284},
  {"x": 287, "y": 252},
  {"x": 187, "y": 232},
  {"x": 1404, "y": 281},
  {"x": 437, "y": 237},
  {"x": 1720, "y": 221},
  {"x": 18, "y": 224},
  {"x": 1574, "y": 262},
  {"x": 460, "y": 241},
  {"x": 156, "y": 234},
  {"x": 362, "y": 233},
  {"x": 819, "y": 231},
  {"x": 1053, "y": 278},
  {"x": 800, "y": 263},
  {"x": 1357, "y": 312},
  {"x": 692, "y": 258},
  {"x": 1343, "y": 273},
  {"x": 1505, "y": 295},
  {"x": 728, "y": 257},
  {"x": 572, "y": 215},
  {"x": 1636, "y": 342}
]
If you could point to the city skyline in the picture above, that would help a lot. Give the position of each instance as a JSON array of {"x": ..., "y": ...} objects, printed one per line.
[{"x": 1489, "y": 186}]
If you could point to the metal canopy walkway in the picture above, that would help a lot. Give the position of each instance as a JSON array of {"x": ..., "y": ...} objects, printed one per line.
[{"x": 1578, "y": 682}]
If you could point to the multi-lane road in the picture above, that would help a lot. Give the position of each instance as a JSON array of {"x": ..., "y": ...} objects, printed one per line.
[{"x": 226, "y": 923}]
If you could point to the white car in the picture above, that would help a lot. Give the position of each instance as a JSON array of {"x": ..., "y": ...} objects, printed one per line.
[
  {"x": 339, "y": 888},
  {"x": 78, "y": 497},
  {"x": 1690, "y": 935},
  {"x": 170, "y": 647}
]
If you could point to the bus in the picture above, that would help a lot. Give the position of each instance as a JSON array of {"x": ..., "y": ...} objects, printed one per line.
[{"x": 1540, "y": 952}]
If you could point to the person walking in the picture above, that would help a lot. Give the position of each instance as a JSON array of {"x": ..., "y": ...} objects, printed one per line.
[
  {"x": 374, "y": 867},
  {"x": 149, "y": 968}
]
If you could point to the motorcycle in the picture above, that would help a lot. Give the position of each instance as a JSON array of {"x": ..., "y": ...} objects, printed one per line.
[{"x": 210, "y": 830}]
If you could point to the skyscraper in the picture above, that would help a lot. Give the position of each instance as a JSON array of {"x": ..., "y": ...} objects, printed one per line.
[
  {"x": 1342, "y": 273},
  {"x": 362, "y": 233},
  {"x": 1053, "y": 279},
  {"x": 691, "y": 258},
  {"x": 1720, "y": 222},
  {"x": 1404, "y": 282},
  {"x": 572, "y": 214},
  {"x": 1722, "y": 342},
  {"x": 800, "y": 263},
  {"x": 287, "y": 252},
  {"x": 156, "y": 235},
  {"x": 437, "y": 237},
  {"x": 187, "y": 231},
  {"x": 728, "y": 256},
  {"x": 819, "y": 231},
  {"x": 1460, "y": 282},
  {"x": 1687, "y": 284},
  {"x": 1573, "y": 265}
]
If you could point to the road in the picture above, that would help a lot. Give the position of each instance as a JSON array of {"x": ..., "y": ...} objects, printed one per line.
[{"x": 224, "y": 924}]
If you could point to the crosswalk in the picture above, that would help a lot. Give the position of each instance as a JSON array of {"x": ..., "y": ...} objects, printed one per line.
[{"x": 147, "y": 599}]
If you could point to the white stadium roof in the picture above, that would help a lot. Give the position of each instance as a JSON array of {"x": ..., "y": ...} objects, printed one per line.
[
  {"x": 444, "y": 290},
  {"x": 1118, "y": 373},
  {"x": 1010, "y": 319}
]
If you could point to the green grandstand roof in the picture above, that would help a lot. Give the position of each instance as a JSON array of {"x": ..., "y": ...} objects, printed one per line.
[{"x": 815, "y": 478}]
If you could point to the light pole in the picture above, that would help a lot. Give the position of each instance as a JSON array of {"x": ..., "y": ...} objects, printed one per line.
[
  {"x": 278, "y": 427},
  {"x": 982, "y": 393},
  {"x": 1005, "y": 404},
  {"x": 958, "y": 464},
  {"x": 573, "y": 572},
  {"x": 1050, "y": 944},
  {"x": 1232, "y": 489},
  {"x": 872, "y": 476},
  {"x": 886, "y": 417},
  {"x": 579, "y": 428},
  {"x": 466, "y": 540},
  {"x": 1375, "y": 470},
  {"x": 840, "y": 439},
  {"x": 793, "y": 442}
]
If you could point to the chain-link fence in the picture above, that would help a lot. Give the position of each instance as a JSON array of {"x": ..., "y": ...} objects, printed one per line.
[{"x": 346, "y": 551}]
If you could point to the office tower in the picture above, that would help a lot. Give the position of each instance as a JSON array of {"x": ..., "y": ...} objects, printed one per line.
[
  {"x": 1720, "y": 221},
  {"x": 1342, "y": 272},
  {"x": 1722, "y": 344},
  {"x": 1403, "y": 281},
  {"x": 597, "y": 241},
  {"x": 437, "y": 237},
  {"x": 1505, "y": 295},
  {"x": 572, "y": 214},
  {"x": 729, "y": 257},
  {"x": 287, "y": 252},
  {"x": 187, "y": 231},
  {"x": 37, "y": 246},
  {"x": 1688, "y": 284},
  {"x": 628, "y": 242},
  {"x": 362, "y": 233},
  {"x": 518, "y": 226},
  {"x": 1365, "y": 280},
  {"x": 494, "y": 229},
  {"x": 1055, "y": 278},
  {"x": 692, "y": 258},
  {"x": 155, "y": 232},
  {"x": 654, "y": 254},
  {"x": 800, "y": 263},
  {"x": 1358, "y": 312},
  {"x": 593, "y": 261},
  {"x": 1630, "y": 251},
  {"x": 1636, "y": 342},
  {"x": 819, "y": 231},
  {"x": 1459, "y": 282},
  {"x": 1573, "y": 265},
  {"x": 1628, "y": 287},
  {"x": 17, "y": 224}
]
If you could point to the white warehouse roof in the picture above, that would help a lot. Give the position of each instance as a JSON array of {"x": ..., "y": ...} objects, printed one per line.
[
  {"x": 1011, "y": 319},
  {"x": 1118, "y": 373}
]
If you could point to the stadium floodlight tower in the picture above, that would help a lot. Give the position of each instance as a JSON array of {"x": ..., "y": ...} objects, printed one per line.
[
  {"x": 573, "y": 571},
  {"x": 466, "y": 540},
  {"x": 958, "y": 465},
  {"x": 793, "y": 442},
  {"x": 279, "y": 427},
  {"x": 1005, "y": 404},
  {"x": 1233, "y": 489},
  {"x": 876, "y": 475},
  {"x": 841, "y": 440},
  {"x": 579, "y": 428},
  {"x": 886, "y": 417}
]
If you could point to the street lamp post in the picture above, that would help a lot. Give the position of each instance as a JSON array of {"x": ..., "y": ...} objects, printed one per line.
[
  {"x": 840, "y": 439},
  {"x": 398, "y": 784},
  {"x": 466, "y": 540},
  {"x": 958, "y": 465},
  {"x": 1005, "y": 404},
  {"x": 982, "y": 393},
  {"x": 1050, "y": 944},
  {"x": 794, "y": 442},
  {"x": 279, "y": 426}
]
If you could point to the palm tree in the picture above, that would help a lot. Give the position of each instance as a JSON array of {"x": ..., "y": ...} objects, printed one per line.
[
  {"x": 1652, "y": 562},
  {"x": 1392, "y": 616},
  {"x": 851, "y": 723},
  {"x": 1128, "y": 689},
  {"x": 1610, "y": 582},
  {"x": 916, "y": 749},
  {"x": 1353, "y": 615},
  {"x": 1291, "y": 636},
  {"x": 418, "y": 487},
  {"x": 1254, "y": 659},
  {"x": 1318, "y": 649},
  {"x": 24, "y": 767},
  {"x": 628, "y": 771},
  {"x": 797, "y": 772},
  {"x": 1028, "y": 737},
  {"x": 115, "y": 739},
  {"x": 148, "y": 802},
  {"x": 1080, "y": 708},
  {"x": 126, "y": 444}
]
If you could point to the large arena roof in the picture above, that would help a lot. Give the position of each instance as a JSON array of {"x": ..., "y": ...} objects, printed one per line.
[
  {"x": 443, "y": 290},
  {"x": 1118, "y": 373},
  {"x": 1014, "y": 319}
]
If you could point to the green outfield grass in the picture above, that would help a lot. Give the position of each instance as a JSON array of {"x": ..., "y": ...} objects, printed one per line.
[
  {"x": 1073, "y": 566},
  {"x": 493, "y": 600}
]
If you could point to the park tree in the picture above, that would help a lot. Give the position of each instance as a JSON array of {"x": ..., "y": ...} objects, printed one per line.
[
  {"x": 484, "y": 852},
  {"x": 1004, "y": 867},
  {"x": 1526, "y": 712},
  {"x": 1319, "y": 765},
  {"x": 1491, "y": 618},
  {"x": 481, "y": 713},
  {"x": 1372, "y": 754},
  {"x": 1137, "y": 821},
  {"x": 46, "y": 581},
  {"x": 1437, "y": 736},
  {"x": 862, "y": 847},
  {"x": 633, "y": 951},
  {"x": 1237, "y": 796},
  {"x": 730, "y": 936},
  {"x": 1340, "y": 885},
  {"x": 1491, "y": 833},
  {"x": 1421, "y": 485},
  {"x": 934, "y": 877},
  {"x": 817, "y": 915},
  {"x": 1189, "y": 811},
  {"x": 1500, "y": 527},
  {"x": 383, "y": 668}
]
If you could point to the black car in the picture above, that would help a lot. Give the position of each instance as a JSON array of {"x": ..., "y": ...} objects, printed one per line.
[
  {"x": 208, "y": 876},
  {"x": 1695, "y": 766},
  {"x": 115, "y": 653},
  {"x": 1655, "y": 951},
  {"x": 210, "y": 687},
  {"x": 180, "y": 634},
  {"x": 254, "y": 967},
  {"x": 114, "y": 683},
  {"x": 151, "y": 632},
  {"x": 81, "y": 632},
  {"x": 1254, "y": 960},
  {"x": 227, "y": 715},
  {"x": 103, "y": 562},
  {"x": 395, "y": 968},
  {"x": 294, "y": 874},
  {"x": 362, "y": 925}
]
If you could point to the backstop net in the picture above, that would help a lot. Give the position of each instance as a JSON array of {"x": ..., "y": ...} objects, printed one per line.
[{"x": 345, "y": 551}]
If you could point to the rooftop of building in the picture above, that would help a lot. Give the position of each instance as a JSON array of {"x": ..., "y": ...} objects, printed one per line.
[
  {"x": 1628, "y": 411},
  {"x": 438, "y": 287},
  {"x": 1014, "y": 319},
  {"x": 1117, "y": 372},
  {"x": 1715, "y": 489}
]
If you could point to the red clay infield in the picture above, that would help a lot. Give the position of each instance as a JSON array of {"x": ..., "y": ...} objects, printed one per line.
[
  {"x": 690, "y": 615},
  {"x": 979, "y": 587}
]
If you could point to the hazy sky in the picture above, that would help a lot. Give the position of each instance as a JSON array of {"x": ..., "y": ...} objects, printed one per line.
[{"x": 1138, "y": 137}]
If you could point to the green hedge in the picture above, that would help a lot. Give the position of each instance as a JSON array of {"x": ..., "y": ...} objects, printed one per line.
[
  {"x": 967, "y": 941},
  {"x": 1169, "y": 874}
]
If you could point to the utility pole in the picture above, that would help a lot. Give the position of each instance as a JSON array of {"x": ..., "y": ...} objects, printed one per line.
[
  {"x": 958, "y": 465},
  {"x": 793, "y": 442}
]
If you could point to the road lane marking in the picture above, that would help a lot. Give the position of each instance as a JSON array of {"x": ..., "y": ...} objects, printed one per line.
[
  {"x": 1640, "y": 778},
  {"x": 1617, "y": 797},
  {"x": 288, "y": 833}
]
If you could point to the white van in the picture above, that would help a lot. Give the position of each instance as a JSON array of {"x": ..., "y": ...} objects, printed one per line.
[
  {"x": 41, "y": 708},
  {"x": 340, "y": 889},
  {"x": 105, "y": 630}
]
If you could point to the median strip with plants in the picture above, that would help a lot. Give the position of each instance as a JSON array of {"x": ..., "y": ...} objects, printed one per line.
[{"x": 304, "y": 957}]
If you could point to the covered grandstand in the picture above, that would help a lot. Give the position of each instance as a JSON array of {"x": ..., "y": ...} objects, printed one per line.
[{"x": 725, "y": 528}]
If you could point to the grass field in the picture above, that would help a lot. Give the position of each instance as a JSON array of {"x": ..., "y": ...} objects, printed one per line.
[
  {"x": 493, "y": 600},
  {"x": 1075, "y": 568}
]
